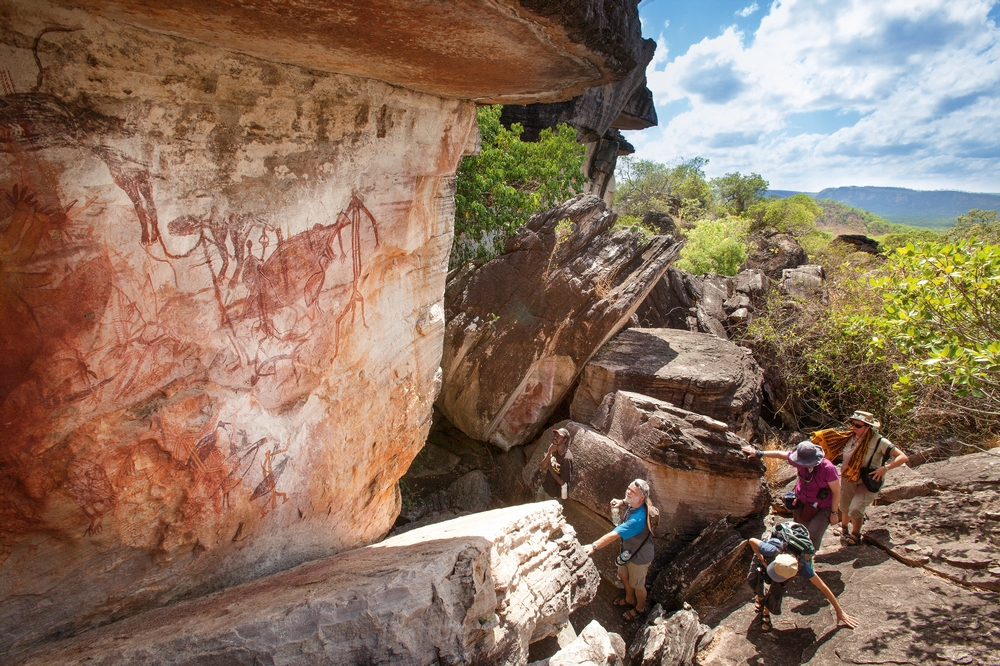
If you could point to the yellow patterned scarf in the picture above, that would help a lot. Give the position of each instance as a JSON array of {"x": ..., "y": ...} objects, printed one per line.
[{"x": 832, "y": 441}]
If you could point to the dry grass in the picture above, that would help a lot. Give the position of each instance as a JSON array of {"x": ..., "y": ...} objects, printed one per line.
[{"x": 772, "y": 465}]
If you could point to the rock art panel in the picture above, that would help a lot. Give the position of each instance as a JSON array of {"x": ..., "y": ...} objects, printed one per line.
[
  {"x": 222, "y": 288},
  {"x": 520, "y": 327},
  {"x": 696, "y": 371},
  {"x": 475, "y": 590}
]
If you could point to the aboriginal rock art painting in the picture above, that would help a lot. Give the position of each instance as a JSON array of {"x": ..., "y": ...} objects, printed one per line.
[{"x": 94, "y": 327}]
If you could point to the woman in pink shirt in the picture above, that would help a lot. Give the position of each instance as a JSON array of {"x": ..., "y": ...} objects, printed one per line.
[{"x": 817, "y": 490}]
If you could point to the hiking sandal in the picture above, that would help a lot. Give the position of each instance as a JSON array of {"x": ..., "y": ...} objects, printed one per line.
[
  {"x": 631, "y": 614},
  {"x": 852, "y": 539},
  {"x": 622, "y": 601},
  {"x": 765, "y": 621}
]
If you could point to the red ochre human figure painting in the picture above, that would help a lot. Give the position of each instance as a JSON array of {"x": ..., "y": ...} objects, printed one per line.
[{"x": 267, "y": 488}]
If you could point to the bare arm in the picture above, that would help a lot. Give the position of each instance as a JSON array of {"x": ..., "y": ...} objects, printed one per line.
[
  {"x": 898, "y": 459},
  {"x": 835, "y": 496},
  {"x": 605, "y": 540},
  {"x": 849, "y": 620}
]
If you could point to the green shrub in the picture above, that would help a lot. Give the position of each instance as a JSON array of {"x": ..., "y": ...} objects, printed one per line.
[
  {"x": 635, "y": 225},
  {"x": 497, "y": 190},
  {"x": 715, "y": 246}
]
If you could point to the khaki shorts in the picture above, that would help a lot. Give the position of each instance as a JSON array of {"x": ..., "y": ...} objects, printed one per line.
[
  {"x": 635, "y": 574},
  {"x": 855, "y": 498}
]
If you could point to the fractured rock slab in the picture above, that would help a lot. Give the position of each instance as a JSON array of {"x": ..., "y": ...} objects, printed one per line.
[
  {"x": 520, "y": 328},
  {"x": 474, "y": 590},
  {"x": 697, "y": 469},
  {"x": 695, "y": 371}
]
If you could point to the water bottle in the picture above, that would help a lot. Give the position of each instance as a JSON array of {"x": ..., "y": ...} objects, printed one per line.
[
  {"x": 565, "y": 491},
  {"x": 616, "y": 517}
]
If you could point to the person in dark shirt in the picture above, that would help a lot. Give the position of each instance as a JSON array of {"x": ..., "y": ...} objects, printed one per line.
[{"x": 557, "y": 465}]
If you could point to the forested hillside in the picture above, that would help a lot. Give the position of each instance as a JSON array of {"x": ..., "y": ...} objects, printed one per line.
[{"x": 920, "y": 208}]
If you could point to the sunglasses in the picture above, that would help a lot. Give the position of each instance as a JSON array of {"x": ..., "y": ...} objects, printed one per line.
[{"x": 858, "y": 426}]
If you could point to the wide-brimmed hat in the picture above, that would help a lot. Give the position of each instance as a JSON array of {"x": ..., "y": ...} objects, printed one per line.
[
  {"x": 866, "y": 417},
  {"x": 785, "y": 566},
  {"x": 806, "y": 454}
]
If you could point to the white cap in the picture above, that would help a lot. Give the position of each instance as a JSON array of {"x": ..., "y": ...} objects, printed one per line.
[{"x": 785, "y": 566}]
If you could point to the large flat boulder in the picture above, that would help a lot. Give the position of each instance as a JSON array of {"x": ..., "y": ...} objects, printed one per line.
[
  {"x": 490, "y": 51},
  {"x": 697, "y": 469},
  {"x": 695, "y": 371},
  {"x": 951, "y": 532},
  {"x": 521, "y": 327},
  {"x": 477, "y": 589}
]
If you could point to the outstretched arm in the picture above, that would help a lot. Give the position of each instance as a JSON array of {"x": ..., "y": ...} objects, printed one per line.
[
  {"x": 849, "y": 620},
  {"x": 605, "y": 540}
]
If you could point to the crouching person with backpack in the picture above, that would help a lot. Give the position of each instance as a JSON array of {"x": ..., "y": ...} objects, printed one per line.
[{"x": 782, "y": 556}]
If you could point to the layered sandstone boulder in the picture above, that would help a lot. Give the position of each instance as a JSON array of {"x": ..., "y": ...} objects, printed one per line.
[
  {"x": 705, "y": 303},
  {"x": 695, "y": 371},
  {"x": 698, "y": 470},
  {"x": 225, "y": 235},
  {"x": 477, "y": 589},
  {"x": 521, "y": 327}
]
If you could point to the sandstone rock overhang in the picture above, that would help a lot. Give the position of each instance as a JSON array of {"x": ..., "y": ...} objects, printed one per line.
[{"x": 490, "y": 51}]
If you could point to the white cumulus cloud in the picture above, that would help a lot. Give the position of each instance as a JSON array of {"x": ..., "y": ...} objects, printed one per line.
[
  {"x": 839, "y": 92},
  {"x": 748, "y": 10}
]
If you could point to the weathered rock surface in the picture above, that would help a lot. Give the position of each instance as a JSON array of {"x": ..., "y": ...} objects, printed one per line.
[
  {"x": 593, "y": 647},
  {"x": 224, "y": 275},
  {"x": 490, "y": 51},
  {"x": 860, "y": 243},
  {"x": 954, "y": 532},
  {"x": 707, "y": 572},
  {"x": 924, "y": 585},
  {"x": 597, "y": 115},
  {"x": 706, "y": 303},
  {"x": 907, "y": 616},
  {"x": 474, "y": 590},
  {"x": 520, "y": 328},
  {"x": 773, "y": 253},
  {"x": 669, "y": 639},
  {"x": 805, "y": 282},
  {"x": 695, "y": 371},
  {"x": 697, "y": 469}
]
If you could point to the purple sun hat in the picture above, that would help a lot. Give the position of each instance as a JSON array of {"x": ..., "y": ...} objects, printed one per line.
[{"x": 806, "y": 454}]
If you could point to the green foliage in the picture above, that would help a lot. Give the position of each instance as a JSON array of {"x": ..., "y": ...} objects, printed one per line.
[
  {"x": 497, "y": 190},
  {"x": 680, "y": 190},
  {"x": 795, "y": 215},
  {"x": 912, "y": 236},
  {"x": 977, "y": 224},
  {"x": 634, "y": 224},
  {"x": 942, "y": 309},
  {"x": 715, "y": 246},
  {"x": 736, "y": 193},
  {"x": 819, "y": 360}
]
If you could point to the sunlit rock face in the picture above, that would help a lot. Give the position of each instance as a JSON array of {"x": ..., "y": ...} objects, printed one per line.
[
  {"x": 222, "y": 287},
  {"x": 474, "y": 590},
  {"x": 521, "y": 327}
]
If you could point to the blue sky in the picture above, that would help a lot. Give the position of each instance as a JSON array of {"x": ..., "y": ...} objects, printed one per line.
[{"x": 827, "y": 93}]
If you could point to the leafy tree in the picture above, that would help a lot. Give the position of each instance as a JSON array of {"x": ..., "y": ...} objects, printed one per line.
[
  {"x": 736, "y": 193},
  {"x": 795, "y": 215},
  {"x": 977, "y": 223},
  {"x": 497, "y": 190},
  {"x": 942, "y": 307},
  {"x": 681, "y": 189},
  {"x": 715, "y": 246}
]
